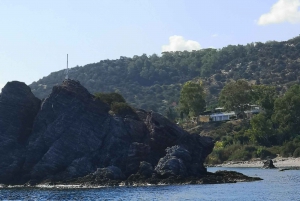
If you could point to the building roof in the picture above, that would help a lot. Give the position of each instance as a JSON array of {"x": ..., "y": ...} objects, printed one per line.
[{"x": 222, "y": 114}]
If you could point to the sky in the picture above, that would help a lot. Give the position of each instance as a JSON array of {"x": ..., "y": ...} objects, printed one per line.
[{"x": 36, "y": 36}]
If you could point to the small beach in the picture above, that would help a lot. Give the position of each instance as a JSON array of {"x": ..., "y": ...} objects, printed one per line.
[{"x": 279, "y": 162}]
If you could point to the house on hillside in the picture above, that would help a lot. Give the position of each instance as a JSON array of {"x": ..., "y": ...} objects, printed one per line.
[
  {"x": 223, "y": 116},
  {"x": 220, "y": 115},
  {"x": 217, "y": 115}
]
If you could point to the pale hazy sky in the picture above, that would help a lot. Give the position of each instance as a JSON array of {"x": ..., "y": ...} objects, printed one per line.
[{"x": 35, "y": 35}]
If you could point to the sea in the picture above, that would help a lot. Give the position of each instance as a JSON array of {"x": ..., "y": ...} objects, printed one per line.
[{"x": 276, "y": 185}]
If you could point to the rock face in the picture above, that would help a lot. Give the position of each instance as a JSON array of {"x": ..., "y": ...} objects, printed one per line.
[
  {"x": 18, "y": 109},
  {"x": 268, "y": 164},
  {"x": 71, "y": 134}
]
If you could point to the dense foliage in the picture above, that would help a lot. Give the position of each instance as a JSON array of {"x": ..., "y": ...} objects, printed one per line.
[
  {"x": 275, "y": 130},
  {"x": 154, "y": 82},
  {"x": 235, "y": 95},
  {"x": 117, "y": 103},
  {"x": 256, "y": 73},
  {"x": 109, "y": 98},
  {"x": 192, "y": 99}
]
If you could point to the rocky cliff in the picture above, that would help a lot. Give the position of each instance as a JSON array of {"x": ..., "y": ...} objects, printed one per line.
[{"x": 71, "y": 134}]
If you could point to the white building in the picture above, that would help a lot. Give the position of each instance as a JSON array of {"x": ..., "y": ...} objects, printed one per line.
[{"x": 224, "y": 116}]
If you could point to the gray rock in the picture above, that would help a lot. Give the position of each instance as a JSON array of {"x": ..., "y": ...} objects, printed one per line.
[
  {"x": 18, "y": 109},
  {"x": 71, "y": 134},
  {"x": 179, "y": 152},
  {"x": 137, "y": 152},
  {"x": 269, "y": 164},
  {"x": 145, "y": 169},
  {"x": 110, "y": 172},
  {"x": 171, "y": 166},
  {"x": 173, "y": 163}
]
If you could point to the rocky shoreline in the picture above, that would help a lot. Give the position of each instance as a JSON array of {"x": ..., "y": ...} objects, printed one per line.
[
  {"x": 92, "y": 181},
  {"x": 140, "y": 180},
  {"x": 73, "y": 138}
]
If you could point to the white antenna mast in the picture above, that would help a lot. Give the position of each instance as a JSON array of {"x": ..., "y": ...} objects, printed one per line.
[{"x": 67, "y": 70}]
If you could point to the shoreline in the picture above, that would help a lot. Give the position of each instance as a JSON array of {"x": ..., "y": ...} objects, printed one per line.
[
  {"x": 89, "y": 181},
  {"x": 279, "y": 162}
]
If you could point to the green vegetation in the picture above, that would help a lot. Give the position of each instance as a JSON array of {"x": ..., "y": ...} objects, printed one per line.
[
  {"x": 153, "y": 82},
  {"x": 116, "y": 102},
  {"x": 267, "y": 74},
  {"x": 110, "y": 98},
  {"x": 287, "y": 114},
  {"x": 122, "y": 109},
  {"x": 275, "y": 130},
  {"x": 235, "y": 95},
  {"x": 192, "y": 99}
]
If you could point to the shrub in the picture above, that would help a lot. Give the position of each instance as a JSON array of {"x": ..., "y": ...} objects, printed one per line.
[
  {"x": 109, "y": 98},
  {"x": 229, "y": 151},
  {"x": 264, "y": 153},
  {"x": 250, "y": 148},
  {"x": 274, "y": 149},
  {"x": 296, "y": 153},
  {"x": 215, "y": 157},
  {"x": 287, "y": 149},
  {"x": 241, "y": 155},
  {"x": 212, "y": 160},
  {"x": 122, "y": 109}
]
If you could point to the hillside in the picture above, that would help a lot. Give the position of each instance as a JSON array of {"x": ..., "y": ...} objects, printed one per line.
[{"x": 154, "y": 82}]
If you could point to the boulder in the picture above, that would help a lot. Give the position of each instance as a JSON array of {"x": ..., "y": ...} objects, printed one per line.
[
  {"x": 173, "y": 164},
  {"x": 268, "y": 164}
]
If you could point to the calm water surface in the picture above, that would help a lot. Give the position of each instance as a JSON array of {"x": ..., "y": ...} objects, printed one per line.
[{"x": 275, "y": 186}]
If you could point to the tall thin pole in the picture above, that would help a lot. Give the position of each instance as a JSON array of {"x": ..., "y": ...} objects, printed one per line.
[{"x": 67, "y": 70}]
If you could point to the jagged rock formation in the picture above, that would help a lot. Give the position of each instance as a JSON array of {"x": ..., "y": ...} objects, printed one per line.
[
  {"x": 70, "y": 134},
  {"x": 268, "y": 164},
  {"x": 18, "y": 109}
]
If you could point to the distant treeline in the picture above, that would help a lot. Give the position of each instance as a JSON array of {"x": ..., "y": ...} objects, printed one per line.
[{"x": 154, "y": 82}]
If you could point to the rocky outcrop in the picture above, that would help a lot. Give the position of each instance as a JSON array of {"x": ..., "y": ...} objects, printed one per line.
[
  {"x": 268, "y": 164},
  {"x": 72, "y": 136},
  {"x": 174, "y": 163},
  {"x": 18, "y": 109}
]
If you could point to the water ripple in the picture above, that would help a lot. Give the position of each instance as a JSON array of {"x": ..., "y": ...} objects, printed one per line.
[{"x": 275, "y": 186}]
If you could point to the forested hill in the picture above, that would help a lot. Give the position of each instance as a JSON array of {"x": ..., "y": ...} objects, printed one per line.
[{"x": 154, "y": 82}]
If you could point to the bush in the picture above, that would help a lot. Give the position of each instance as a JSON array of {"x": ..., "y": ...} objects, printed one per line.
[
  {"x": 122, "y": 109},
  {"x": 241, "y": 155},
  {"x": 109, "y": 98},
  {"x": 296, "y": 153},
  {"x": 288, "y": 149},
  {"x": 264, "y": 153},
  {"x": 213, "y": 160}
]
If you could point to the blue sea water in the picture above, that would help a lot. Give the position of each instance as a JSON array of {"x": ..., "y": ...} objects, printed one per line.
[{"x": 275, "y": 186}]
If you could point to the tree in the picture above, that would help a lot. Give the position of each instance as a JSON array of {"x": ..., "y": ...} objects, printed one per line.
[
  {"x": 265, "y": 97},
  {"x": 261, "y": 130},
  {"x": 287, "y": 112},
  {"x": 235, "y": 95},
  {"x": 192, "y": 99}
]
